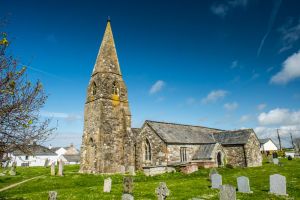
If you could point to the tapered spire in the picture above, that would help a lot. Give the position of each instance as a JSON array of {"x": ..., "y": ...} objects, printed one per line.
[{"x": 107, "y": 59}]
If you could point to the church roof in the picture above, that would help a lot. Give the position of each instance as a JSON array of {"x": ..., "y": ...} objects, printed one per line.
[
  {"x": 233, "y": 137},
  {"x": 264, "y": 140},
  {"x": 183, "y": 134},
  {"x": 204, "y": 152}
]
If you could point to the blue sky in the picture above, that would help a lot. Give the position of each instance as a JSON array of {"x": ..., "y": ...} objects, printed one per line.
[{"x": 226, "y": 64}]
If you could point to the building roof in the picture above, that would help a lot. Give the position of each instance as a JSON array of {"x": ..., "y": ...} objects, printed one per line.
[
  {"x": 181, "y": 133},
  {"x": 135, "y": 131},
  {"x": 36, "y": 150},
  {"x": 204, "y": 152},
  {"x": 233, "y": 137},
  {"x": 264, "y": 140},
  {"x": 72, "y": 158}
]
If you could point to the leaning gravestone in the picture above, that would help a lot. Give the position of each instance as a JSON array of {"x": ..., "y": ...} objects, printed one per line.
[
  {"x": 216, "y": 181},
  {"x": 107, "y": 185},
  {"x": 162, "y": 191},
  {"x": 60, "y": 168},
  {"x": 127, "y": 185},
  {"x": 212, "y": 171},
  {"x": 131, "y": 170},
  {"x": 278, "y": 184},
  {"x": 127, "y": 197},
  {"x": 227, "y": 192},
  {"x": 53, "y": 169},
  {"x": 275, "y": 161},
  {"x": 12, "y": 171},
  {"x": 243, "y": 184},
  {"x": 52, "y": 195}
]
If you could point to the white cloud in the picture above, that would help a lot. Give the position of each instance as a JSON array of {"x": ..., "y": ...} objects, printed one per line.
[
  {"x": 279, "y": 116},
  {"x": 214, "y": 95},
  {"x": 66, "y": 116},
  {"x": 261, "y": 106},
  {"x": 222, "y": 9},
  {"x": 157, "y": 86},
  {"x": 290, "y": 34},
  {"x": 245, "y": 118},
  {"x": 290, "y": 70},
  {"x": 231, "y": 106}
]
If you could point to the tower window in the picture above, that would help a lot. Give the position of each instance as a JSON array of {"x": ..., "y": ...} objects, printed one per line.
[
  {"x": 115, "y": 89},
  {"x": 147, "y": 150},
  {"x": 183, "y": 157}
]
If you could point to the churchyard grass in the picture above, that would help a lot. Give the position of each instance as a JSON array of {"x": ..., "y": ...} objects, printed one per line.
[{"x": 82, "y": 186}]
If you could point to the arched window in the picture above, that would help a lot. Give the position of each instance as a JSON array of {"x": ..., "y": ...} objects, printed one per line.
[
  {"x": 94, "y": 88},
  {"x": 147, "y": 150},
  {"x": 115, "y": 89}
]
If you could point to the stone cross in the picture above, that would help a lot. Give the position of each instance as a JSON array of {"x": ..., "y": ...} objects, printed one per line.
[
  {"x": 227, "y": 192},
  {"x": 216, "y": 181},
  {"x": 278, "y": 184},
  {"x": 60, "y": 168},
  {"x": 52, "y": 195},
  {"x": 107, "y": 185},
  {"x": 127, "y": 197},
  {"x": 162, "y": 191},
  {"x": 212, "y": 171},
  {"x": 12, "y": 171},
  {"x": 275, "y": 161},
  {"x": 131, "y": 170},
  {"x": 127, "y": 185},
  {"x": 53, "y": 168},
  {"x": 243, "y": 184}
]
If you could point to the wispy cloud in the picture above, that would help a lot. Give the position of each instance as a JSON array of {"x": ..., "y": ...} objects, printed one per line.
[
  {"x": 157, "y": 86},
  {"x": 231, "y": 106},
  {"x": 222, "y": 9},
  {"x": 270, "y": 25},
  {"x": 214, "y": 96},
  {"x": 66, "y": 116},
  {"x": 290, "y": 70},
  {"x": 261, "y": 106},
  {"x": 290, "y": 34}
]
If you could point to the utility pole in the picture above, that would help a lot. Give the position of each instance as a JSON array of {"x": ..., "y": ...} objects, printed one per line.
[
  {"x": 279, "y": 139},
  {"x": 292, "y": 140}
]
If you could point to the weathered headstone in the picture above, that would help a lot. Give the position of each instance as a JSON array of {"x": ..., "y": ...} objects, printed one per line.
[
  {"x": 46, "y": 162},
  {"x": 227, "y": 192},
  {"x": 275, "y": 161},
  {"x": 127, "y": 197},
  {"x": 212, "y": 171},
  {"x": 127, "y": 185},
  {"x": 107, "y": 185},
  {"x": 270, "y": 159},
  {"x": 131, "y": 170},
  {"x": 216, "y": 181},
  {"x": 12, "y": 171},
  {"x": 53, "y": 169},
  {"x": 278, "y": 184},
  {"x": 122, "y": 169},
  {"x": 243, "y": 184},
  {"x": 60, "y": 168},
  {"x": 162, "y": 191},
  {"x": 52, "y": 195}
]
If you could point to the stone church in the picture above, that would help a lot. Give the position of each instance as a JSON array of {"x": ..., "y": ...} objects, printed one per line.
[{"x": 110, "y": 145}]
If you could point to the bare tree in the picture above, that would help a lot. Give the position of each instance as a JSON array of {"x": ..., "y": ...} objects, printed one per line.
[{"x": 20, "y": 102}]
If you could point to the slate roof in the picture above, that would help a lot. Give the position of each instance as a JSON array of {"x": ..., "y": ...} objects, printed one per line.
[
  {"x": 233, "y": 137},
  {"x": 183, "y": 134},
  {"x": 36, "y": 150},
  {"x": 265, "y": 140},
  {"x": 204, "y": 152},
  {"x": 72, "y": 158}
]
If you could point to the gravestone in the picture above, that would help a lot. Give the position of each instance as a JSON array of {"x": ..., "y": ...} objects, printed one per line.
[
  {"x": 275, "y": 161},
  {"x": 127, "y": 197},
  {"x": 243, "y": 184},
  {"x": 53, "y": 168},
  {"x": 227, "y": 192},
  {"x": 46, "y": 162},
  {"x": 12, "y": 171},
  {"x": 127, "y": 185},
  {"x": 212, "y": 171},
  {"x": 162, "y": 191},
  {"x": 131, "y": 170},
  {"x": 60, "y": 168},
  {"x": 122, "y": 169},
  {"x": 216, "y": 181},
  {"x": 107, "y": 185},
  {"x": 278, "y": 184},
  {"x": 270, "y": 159},
  {"x": 52, "y": 195}
]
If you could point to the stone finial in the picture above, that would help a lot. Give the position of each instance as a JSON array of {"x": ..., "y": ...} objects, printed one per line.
[{"x": 162, "y": 191}]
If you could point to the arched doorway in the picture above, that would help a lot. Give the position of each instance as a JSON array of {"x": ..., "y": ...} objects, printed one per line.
[{"x": 219, "y": 159}]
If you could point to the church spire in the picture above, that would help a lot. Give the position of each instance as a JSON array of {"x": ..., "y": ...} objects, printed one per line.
[{"x": 107, "y": 59}]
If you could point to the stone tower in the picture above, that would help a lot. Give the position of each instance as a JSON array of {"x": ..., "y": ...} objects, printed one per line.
[{"x": 107, "y": 141}]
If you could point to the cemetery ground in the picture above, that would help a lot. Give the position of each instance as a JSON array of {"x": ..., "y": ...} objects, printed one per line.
[{"x": 74, "y": 185}]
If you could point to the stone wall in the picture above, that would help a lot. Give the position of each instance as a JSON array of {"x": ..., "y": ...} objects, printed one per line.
[
  {"x": 253, "y": 154},
  {"x": 156, "y": 144},
  {"x": 174, "y": 152},
  {"x": 235, "y": 155}
]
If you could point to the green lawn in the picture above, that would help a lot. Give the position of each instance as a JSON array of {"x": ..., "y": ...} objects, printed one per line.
[{"x": 82, "y": 186}]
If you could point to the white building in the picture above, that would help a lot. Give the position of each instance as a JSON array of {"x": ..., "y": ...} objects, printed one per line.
[
  {"x": 267, "y": 145},
  {"x": 69, "y": 155}
]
